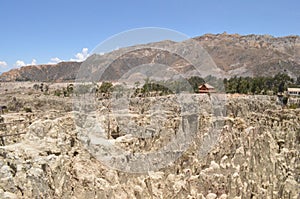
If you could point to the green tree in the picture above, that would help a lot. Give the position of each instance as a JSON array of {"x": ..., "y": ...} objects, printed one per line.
[
  {"x": 195, "y": 82},
  {"x": 70, "y": 88},
  {"x": 36, "y": 86},
  {"x": 298, "y": 80},
  {"x": 105, "y": 87},
  {"x": 57, "y": 92},
  {"x": 281, "y": 87}
]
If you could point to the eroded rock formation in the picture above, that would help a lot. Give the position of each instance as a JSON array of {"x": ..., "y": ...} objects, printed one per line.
[{"x": 256, "y": 155}]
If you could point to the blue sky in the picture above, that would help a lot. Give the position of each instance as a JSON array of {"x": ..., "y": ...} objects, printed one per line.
[{"x": 35, "y": 31}]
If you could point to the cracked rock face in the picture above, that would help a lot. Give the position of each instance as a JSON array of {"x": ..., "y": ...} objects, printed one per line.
[{"x": 256, "y": 154}]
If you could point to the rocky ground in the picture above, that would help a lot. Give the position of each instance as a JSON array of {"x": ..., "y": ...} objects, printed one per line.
[{"x": 254, "y": 154}]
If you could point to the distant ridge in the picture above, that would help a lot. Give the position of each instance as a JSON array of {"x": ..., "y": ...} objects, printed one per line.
[
  {"x": 63, "y": 71},
  {"x": 236, "y": 55}
]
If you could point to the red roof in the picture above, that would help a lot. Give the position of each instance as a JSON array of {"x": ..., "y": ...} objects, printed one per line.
[{"x": 207, "y": 86}]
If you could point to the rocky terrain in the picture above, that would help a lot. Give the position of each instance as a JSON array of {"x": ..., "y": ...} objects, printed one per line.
[
  {"x": 233, "y": 54},
  {"x": 253, "y": 154},
  {"x": 64, "y": 71},
  {"x": 253, "y": 55}
]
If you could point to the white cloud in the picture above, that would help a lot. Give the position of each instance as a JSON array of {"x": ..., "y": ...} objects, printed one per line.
[
  {"x": 82, "y": 55},
  {"x": 33, "y": 62},
  {"x": 55, "y": 60},
  {"x": 79, "y": 57},
  {"x": 21, "y": 63},
  {"x": 3, "y": 64}
]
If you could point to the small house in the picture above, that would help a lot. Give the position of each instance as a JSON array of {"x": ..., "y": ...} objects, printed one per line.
[
  {"x": 293, "y": 92},
  {"x": 206, "y": 88}
]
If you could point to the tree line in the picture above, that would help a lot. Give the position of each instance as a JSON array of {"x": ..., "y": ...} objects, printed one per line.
[
  {"x": 243, "y": 85},
  {"x": 260, "y": 85}
]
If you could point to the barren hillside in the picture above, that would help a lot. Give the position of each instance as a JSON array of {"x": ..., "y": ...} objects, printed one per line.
[{"x": 249, "y": 55}]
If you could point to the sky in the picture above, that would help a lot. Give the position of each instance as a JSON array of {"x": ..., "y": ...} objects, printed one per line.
[{"x": 42, "y": 32}]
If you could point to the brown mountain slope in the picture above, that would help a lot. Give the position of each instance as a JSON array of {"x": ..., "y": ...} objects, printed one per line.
[
  {"x": 233, "y": 54},
  {"x": 63, "y": 71},
  {"x": 253, "y": 55}
]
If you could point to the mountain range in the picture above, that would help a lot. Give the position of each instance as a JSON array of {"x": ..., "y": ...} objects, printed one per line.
[{"x": 221, "y": 55}]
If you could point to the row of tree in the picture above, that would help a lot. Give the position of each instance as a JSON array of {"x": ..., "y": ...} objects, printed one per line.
[
  {"x": 244, "y": 85},
  {"x": 260, "y": 85},
  {"x": 190, "y": 85},
  {"x": 79, "y": 89}
]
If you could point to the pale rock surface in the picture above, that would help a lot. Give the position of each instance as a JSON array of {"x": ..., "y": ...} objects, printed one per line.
[{"x": 256, "y": 155}]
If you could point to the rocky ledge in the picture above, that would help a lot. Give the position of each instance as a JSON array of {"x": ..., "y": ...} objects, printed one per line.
[{"x": 256, "y": 156}]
